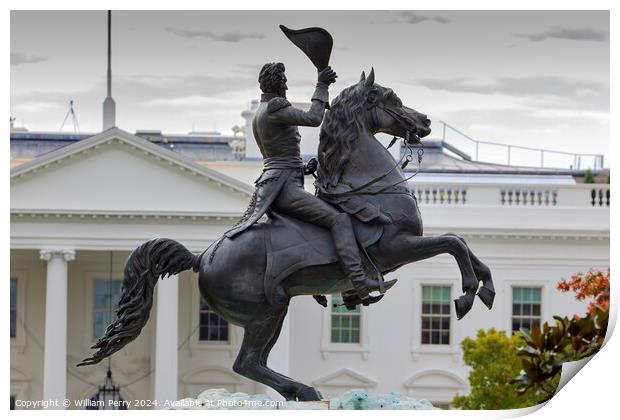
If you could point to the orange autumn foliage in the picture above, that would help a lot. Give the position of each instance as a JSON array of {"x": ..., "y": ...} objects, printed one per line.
[{"x": 593, "y": 284}]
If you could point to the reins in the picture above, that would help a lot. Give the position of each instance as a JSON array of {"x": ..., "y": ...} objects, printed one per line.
[{"x": 402, "y": 162}]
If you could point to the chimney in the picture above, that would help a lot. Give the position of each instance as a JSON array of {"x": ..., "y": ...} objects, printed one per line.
[{"x": 109, "y": 107}]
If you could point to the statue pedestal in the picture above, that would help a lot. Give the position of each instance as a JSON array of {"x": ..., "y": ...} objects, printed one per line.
[{"x": 354, "y": 399}]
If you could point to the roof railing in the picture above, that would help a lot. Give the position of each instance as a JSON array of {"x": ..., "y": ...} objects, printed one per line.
[{"x": 509, "y": 154}]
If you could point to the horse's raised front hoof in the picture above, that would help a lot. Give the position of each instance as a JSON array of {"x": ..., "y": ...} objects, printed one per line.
[
  {"x": 463, "y": 304},
  {"x": 308, "y": 393},
  {"x": 487, "y": 296}
]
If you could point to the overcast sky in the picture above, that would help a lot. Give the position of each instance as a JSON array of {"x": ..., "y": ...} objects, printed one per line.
[{"x": 538, "y": 79}]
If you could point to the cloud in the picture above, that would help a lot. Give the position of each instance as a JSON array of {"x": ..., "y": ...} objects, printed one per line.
[
  {"x": 36, "y": 106},
  {"x": 574, "y": 92},
  {"x": 140, "y": 100},
  {"x": 140, "y": 89},
  {"x": 527, "y": 118},
  {"x": 191, "y": 100},
  {"x": 415, "y": 18},
  {"x": 599, "y": 116},
  {"x": 235, "y": 36},
  {"x": 18, "y": 58},
  {"x": 248, "y": 69},
  {"x": 146, "y": 87},
  {"x": 550, "y": 129},
  {"x": 573, "y": 34}
]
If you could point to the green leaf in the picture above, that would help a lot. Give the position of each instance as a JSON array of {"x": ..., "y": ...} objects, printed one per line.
[{"x": 528, "y": 351}]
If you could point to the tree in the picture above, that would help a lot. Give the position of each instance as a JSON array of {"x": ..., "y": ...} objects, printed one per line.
[
  {"x": 593, "y": 284},
  {"x": 588, "y": 177},
  {"x": 545, "y": 350},
  {"x": 493, "y": 358}
]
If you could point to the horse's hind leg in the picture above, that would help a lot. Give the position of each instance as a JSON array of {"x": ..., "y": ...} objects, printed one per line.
[
  {"x": 419, "y": 248},
  {"x": 486, "y": 293},
  {"x": 263, "y": 362},
  {"x": 259, "y": 336},
  {"x": 265, "y": 354}
]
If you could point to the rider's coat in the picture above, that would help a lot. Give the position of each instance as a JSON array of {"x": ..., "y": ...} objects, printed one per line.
[{"x": 275, "y": 130}]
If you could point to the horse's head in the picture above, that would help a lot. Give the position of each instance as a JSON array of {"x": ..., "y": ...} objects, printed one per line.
[
  {"x": 364, "y": 106},
  {"x": 387, "y": 114}
]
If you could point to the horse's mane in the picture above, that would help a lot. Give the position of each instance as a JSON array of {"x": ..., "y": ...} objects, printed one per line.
[{"x": 339, "y": 132}]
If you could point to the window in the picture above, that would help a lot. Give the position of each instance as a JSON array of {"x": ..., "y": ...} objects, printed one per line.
[
  {"x": 106, "y": 296},
  {"x": 436, "y": 314},
  {"x": 345, "y": 326},
  {"x": 13, "y": 307},
  {"x": 525, "y": 307},
  {"x": 212, "y": 326}
]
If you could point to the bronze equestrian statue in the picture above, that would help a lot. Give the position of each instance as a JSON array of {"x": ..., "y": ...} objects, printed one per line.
[
  {"x": 363, "y": 223},
  {"x": 280, "y": 188}
]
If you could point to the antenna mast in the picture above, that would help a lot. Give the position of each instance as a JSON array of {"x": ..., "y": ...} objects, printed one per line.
[
  {"x": 71, "y": 112},
  {"x": 109, "y": 106}
]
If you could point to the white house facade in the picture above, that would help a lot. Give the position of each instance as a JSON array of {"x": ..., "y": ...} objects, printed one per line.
[{"x": 77, "y": 211}]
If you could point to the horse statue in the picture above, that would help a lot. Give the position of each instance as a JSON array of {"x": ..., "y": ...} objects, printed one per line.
[{"x": 250, "y": 280}]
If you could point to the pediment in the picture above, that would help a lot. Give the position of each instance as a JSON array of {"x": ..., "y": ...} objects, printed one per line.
[
  {"x": 345, "y": 378},
  {"x": 435, "y": 379},
  {"x": 115, "y": 172}
]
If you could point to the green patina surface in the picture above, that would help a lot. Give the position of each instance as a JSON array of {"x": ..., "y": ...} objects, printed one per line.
[{"x": 354, "y": 399}]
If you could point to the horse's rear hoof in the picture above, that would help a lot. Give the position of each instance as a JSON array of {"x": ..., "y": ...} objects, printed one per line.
[
  {"x": 463, "y": 304},
  {"x": 487, "y": 296},
  {"x": 308, "y": 393},
  {"x": 458, "y": 307}
]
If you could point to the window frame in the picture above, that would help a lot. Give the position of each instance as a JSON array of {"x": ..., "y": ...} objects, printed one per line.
[
  {"x": 235, "y": 333},
  {"x": 345, "y": 314},
  {"x": 89, "y": 278},
  {"x": 417, "y": 348},
  {"x": 21, "y": 277},
  {"x": 531, "y": 317},
  {"x": 93, "y": 308},
  {"x": 200, "y": 312},
  {"x": 327, "y": 347},
  {"x": 545, "y": 298},
  {"x": 13, "y": 306},
  {"x": 441, "y": 316}
]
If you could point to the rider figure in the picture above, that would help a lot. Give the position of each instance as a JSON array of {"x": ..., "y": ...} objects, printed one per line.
[{"x": 280, "y": 186}]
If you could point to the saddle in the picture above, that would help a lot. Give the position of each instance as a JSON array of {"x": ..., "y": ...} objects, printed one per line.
[{"x": 292, "y": 245}]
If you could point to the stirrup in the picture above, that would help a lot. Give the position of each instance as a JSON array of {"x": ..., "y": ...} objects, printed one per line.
[
  {"x": 351, "y": 299},
  {"x": 382, "y": 288}
]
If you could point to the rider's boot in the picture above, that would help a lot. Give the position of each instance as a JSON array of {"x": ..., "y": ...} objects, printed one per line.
[
  {"x": 364, "y": 285},
  {"x": 346, "y": 247}
]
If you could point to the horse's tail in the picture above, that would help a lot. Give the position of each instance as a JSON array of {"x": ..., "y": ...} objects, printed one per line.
[{"x": 151, "y": 260}]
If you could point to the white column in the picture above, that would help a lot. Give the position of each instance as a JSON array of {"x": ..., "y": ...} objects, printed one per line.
[
  {"x": 166, "y": 340},
  {"x": 55, "y": 352},
  {"x": 251, "y": 147},
  {"x": 279, "y": 358}
]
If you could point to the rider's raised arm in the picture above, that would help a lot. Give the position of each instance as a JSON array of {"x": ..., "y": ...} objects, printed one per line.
[{"x": 284, "y": 113}]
